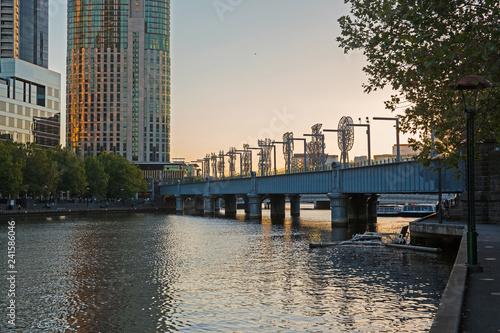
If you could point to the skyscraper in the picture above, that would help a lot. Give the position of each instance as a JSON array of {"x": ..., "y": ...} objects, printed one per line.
[
  {"x": 24, "y": 30},
  {"x": 29, "y": 92},
  {"x": 118, "y": 78}
]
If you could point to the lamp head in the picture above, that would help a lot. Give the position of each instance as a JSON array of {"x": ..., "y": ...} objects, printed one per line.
[{"x": 471, "y": 82}]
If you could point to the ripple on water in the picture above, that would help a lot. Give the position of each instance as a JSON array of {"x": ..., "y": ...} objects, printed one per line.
[{"x": 151, "y": 273}]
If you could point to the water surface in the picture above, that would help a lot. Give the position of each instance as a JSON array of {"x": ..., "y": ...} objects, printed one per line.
[{"x": 158, "y": 273}]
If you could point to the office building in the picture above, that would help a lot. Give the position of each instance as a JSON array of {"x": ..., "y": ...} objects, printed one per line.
[
  {"x": 118, "y": 79},
  {"x": 29, "y": 92}
]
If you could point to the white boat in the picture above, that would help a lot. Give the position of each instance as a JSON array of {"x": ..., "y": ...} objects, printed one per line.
[
  {"x": 418, "y": 210},
  {"x": 388, "y": 210}
]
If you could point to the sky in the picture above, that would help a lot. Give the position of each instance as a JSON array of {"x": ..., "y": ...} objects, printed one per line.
[{"x": 244, "y": 70}]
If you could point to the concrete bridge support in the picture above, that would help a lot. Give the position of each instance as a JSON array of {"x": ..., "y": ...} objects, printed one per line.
[
  {"x": 294, "y": 205},
  {"x": 230, "y": 203},
  {"x": 209, "y": 204},
  {"x": 255, "y": 206},
  {"x": 338, "y": 206},
  {"x": 179, "y": 204},
  {"x": 199, "y": 205},
  {"x": 359, "y": 206},
  {"x": 277, "y": 205},
  {"x": 371, "y": 209}
]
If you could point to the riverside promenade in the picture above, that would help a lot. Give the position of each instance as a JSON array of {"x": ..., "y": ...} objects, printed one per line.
[
  {"x": 471, "y": 300},
  {"x": 65, "y": 208}
]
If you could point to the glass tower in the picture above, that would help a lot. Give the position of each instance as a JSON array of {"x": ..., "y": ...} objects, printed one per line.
[
  {"x": 30, "y": 99},
  {"x": 118, "y": 78},
  {"x": 24, "y": 30}
]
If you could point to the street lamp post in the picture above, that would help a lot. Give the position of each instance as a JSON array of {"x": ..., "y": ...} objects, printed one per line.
[
  {"x": 398, "y": 151},
  {"x": 305, "y": 150},
  {"x": 322, "y": 136},
  {"x": 437, "y": 160},
  {"x": 367, "y": 125},
  {"x": 289, "y": 151},
  {"x": 343, "y": 143},
  {"x": 473, "y": 83}
]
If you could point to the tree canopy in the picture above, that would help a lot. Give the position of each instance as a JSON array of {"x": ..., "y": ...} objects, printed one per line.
[
  {"x": 419, "y": 48},
  {"x": 38, "y": 172}
]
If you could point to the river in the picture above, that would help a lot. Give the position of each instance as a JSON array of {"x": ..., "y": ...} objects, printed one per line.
[{"x": 168, "y": 273}]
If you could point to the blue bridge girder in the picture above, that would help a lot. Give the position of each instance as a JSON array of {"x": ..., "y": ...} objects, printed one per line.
[{"x": 398, "y": 177}]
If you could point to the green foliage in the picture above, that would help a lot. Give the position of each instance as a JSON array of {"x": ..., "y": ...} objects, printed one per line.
[
  {"x": 125, "y": 179},
  {"x": 419, "y": 48},
  {"x": 70, "y": 170},
  {"x": 97, "y": 178},
  {"x": 40, "y": 173},
  {"x": 11, "y": 163}
]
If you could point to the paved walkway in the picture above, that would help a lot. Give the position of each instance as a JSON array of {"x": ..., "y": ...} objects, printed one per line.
[
  {"x": 471, "y": 301},
  {"x": 481, "y": 309}
]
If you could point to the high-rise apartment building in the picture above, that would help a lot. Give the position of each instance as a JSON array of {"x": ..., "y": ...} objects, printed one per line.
[
  {"x": 24, "y": 30},
  {"x": 29, "y": 92},
  {"x": 118, "y": 78}
]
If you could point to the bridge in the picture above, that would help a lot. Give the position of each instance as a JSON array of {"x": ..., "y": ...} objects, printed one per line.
[{"x": 352, "y": 191}]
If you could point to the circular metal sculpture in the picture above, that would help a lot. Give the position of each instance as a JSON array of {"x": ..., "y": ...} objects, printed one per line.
[{"x": 349, "y": 137}]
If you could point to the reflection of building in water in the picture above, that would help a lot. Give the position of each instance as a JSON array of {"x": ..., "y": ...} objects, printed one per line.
[{"x": 30, "y": 103}]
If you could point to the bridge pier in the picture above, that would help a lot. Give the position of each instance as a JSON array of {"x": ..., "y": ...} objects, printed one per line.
[
  {"x": 209, "y": 204},
  {"x": 230, "y": 203},
  {"x": 358, "y": 204},
  {"x": 179, "y": 204},
  {"x": 277, "y": 205},
  {"x": 294, "y": 204},
  {"x": 371, "y": 209},
  {"x": 255, "y": 206},
  {"x": 338, "y": 206}
]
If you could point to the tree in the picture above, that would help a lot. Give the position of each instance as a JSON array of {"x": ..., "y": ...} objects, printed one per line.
[
  {"x": 40, "y": 173},
  {"x": 11, "y": 165},
  {"x": 97, "y": 178},
  {"x": 419, "y": 48},
  {"x": 125, "y": 179},
  {"x": 70, "y": 170}
]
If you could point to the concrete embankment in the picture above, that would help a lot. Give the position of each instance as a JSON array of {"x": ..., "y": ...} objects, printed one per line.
[{"x": 82, "y": 211}]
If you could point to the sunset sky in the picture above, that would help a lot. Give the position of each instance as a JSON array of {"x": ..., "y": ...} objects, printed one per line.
[{"x": 244, "y": 70}]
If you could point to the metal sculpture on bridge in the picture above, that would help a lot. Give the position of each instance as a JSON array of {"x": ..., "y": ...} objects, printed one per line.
[
  {"x": 347, "y": 135},
  {"x": 213, "y": 158},
  {"x": 246, "y": 159},
  {"x": 220, "y": 164},
  {"x": 232, "y": 158},
  {"x": 315, "y": 147},
  {"x": 288, "y": 148},
  {"x": 265, "y": 155},
  {"x": 206, "y": 165}
]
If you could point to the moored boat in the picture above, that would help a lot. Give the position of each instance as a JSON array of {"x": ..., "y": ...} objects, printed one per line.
[
  {"x": 383, "y": 210},
  {"x": 418, "y": 210}
]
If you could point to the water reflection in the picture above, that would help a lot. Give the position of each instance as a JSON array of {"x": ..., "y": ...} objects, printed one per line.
[{"x": 153, "y": 273}]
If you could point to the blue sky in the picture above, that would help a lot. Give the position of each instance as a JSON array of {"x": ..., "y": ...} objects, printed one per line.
[{"x": 244, "y": 70}]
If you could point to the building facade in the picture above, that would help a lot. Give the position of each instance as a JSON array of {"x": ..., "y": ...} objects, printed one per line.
[
  {"x": 24, "y": 30},
  {"x": 118, "y": 78},
  {"x": 30, "y": 100},
  {"x": 30, "y": 103}
]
